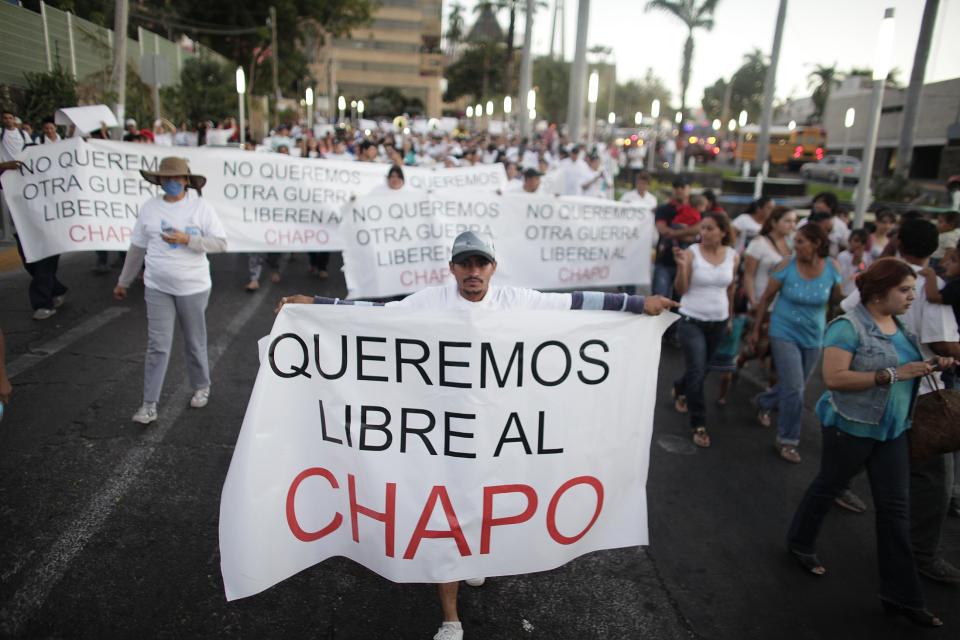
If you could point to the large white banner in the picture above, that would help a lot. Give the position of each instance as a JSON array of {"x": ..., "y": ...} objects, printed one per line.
[
  {"x": 397, "y": 244},
  {"x": 437, "y": 446},
  {"x": 81, "y": 195}
]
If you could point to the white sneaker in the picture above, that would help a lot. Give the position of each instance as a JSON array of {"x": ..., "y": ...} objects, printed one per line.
[
  {"x": 146, "y": 414},
  {"x": 475, "y": 582},
  {"x": 200, "y": 398},
  {"x": 448, "y": 631},
  {"x": 43, "y": 314}
]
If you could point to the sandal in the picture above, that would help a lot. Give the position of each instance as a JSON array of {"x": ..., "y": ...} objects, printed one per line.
[
  {"x": 701, "y": 438},
  {"x": 789, "y": 453},
  {"x": 765, "y": 418},
  {"x": 679, "y": 401},
  {"x": 810, "y": 562}
]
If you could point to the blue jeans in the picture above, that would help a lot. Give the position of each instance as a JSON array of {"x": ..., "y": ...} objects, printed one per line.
[
  {"x": 699, "y": 340},
  {"x": 794, "y": 365},
  {"x": 888, "y": 467},
  {"x": 663, "y": 277}
]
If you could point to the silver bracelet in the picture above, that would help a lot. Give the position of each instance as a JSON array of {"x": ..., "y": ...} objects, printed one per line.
[{"x": 894, "y": 378}]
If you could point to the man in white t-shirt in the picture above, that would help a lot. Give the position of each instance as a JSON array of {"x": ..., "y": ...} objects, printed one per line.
[
  {"x": 46, "y": 292},
  {"x": 641, "y": 195},
  {"x": 935, "y": 326},
  {"x": 473, "y": 263}
]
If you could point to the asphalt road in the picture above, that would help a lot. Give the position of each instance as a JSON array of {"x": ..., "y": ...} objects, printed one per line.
[{"x": 109, "y": 529}]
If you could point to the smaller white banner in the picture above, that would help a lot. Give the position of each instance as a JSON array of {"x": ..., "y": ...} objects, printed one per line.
[{"x": 397, "y": 244}]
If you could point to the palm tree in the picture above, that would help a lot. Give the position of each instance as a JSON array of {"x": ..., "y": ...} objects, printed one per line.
[
  {"x": 821, "y": 80},
  {"x": 695, "y": 15},
  {"x": 512, "y": 7},
  {"x": 454, "y": 26}
]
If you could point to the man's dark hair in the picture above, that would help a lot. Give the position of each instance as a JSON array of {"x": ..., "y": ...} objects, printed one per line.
[
  {"x": 642, "y": 175},
  {"x": 828, "y": 198},
  {"x": 917, "y": 238},
  {"x": 860, "y": 234},
  {"x": 820, "y": 216},
  {"x": 6, "y": 111},
  {"x": 951, "y": 218}
]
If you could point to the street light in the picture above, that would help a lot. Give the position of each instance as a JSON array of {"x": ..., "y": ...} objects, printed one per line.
[
  {"x": 241, "y": 90},
  {"x": 717, "y": 124},
  {"x": 792, "y": 125},
  {"x": 743, "y": 118},
  {"x": 310, "y": 108},
  {"x": 533, "y": 115},
  {"x": 655, "y": 109},
  {"x": 531, "y": 99},
  {"x": 593, "y": 91},
  {"x": 679, "y": 117},
  {"x": 360, "y": 107},
  {"x": 732, "y": 125},
  {"x": 341, "y": 105},
  {"x": 881, "y": 67},
  {"x": 478, "y": 110},
  {"x": 489, "y": 108},
  {"x": 612, "y": 117},
  {"x": 507, "y": 106},
  {"x": 638, "y": 118},
  {"x": 469, "y": 111}
]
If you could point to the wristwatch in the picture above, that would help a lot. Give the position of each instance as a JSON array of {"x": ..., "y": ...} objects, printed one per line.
[{"x": 882, "y": 377}]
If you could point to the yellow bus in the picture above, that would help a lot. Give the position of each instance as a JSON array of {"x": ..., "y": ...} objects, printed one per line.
[{"x": 789, "y": 148}]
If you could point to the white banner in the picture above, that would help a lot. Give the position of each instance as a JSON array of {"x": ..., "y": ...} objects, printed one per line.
[
  {"x": 397, "y": 244},
  {"x": 85, "y": 195},
  {"x": 437, "y": 446}
]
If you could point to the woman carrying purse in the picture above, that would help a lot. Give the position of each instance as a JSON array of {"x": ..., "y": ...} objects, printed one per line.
[{"x": 871, "y": 367}]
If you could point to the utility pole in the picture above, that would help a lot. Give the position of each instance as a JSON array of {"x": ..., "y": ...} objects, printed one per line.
[
  {"x": 526, "y": 68},
  {"x": 763, "y": 144},
  {"x": 120, "y": 19},
  {"x": 579, "y": 74},
  {"x": 911, "y": 110},
  {"x": 273, "y": 57}
]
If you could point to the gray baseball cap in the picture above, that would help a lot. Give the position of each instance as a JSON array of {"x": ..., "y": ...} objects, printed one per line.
[{"x": 469, "y": 244}]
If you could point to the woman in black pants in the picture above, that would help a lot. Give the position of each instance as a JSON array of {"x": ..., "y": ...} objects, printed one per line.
[{"x": 871, "y": 367}]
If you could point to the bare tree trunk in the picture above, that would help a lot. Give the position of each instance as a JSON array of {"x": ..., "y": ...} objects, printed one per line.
[{"x": 911, "y": 110}]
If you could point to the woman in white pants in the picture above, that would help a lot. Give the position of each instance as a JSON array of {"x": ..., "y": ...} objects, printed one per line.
[{"x": 174, "y": 232}]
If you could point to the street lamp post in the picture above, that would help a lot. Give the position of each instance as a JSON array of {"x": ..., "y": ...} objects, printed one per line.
[
  {"x": 593, "y": 92},
  {"x": 310, "y": 108},
  {"x": 507, "y": 108},
  {"x": 360, "y": 109},
  {"x": 742, "y": 121},
  {"x": 652, "y": 151},
  {"x": 731, "y": 127},
  {"x": 341, "y": 105},
  {"x": 241, "y": 91},
  {"x": 881, "y": 67},
  {"x": 678, "y": 153}
]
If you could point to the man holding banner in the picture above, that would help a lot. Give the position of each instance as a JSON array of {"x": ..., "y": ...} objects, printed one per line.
[{"x": 473, "y": 264}]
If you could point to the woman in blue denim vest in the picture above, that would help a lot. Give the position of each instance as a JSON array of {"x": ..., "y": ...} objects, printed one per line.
[
  {"x": 871, "y": 367},
  {"x": 803, "y": 287}
]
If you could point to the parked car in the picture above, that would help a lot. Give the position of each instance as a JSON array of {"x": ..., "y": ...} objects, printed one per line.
[{"x": 831, "y": 168}]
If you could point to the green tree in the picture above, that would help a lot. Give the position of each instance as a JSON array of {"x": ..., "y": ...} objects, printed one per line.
[
  {"x": 746, "y": 92},
  {"x": 206, "y": 92},
  {"x": 46, "y": 92},
  {"x": 821, "y": 81},
  {"x": 638, "y": 95},
  {"x": 479, "y": 72},
  {"x": 694, "y": 15}
]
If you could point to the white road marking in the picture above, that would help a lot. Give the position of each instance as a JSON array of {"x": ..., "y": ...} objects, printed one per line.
[
  {"x": 47, "y": 349},
  {"x": 45, "y": 574}
]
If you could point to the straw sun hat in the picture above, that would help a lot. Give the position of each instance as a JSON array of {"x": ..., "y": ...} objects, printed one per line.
[{"x": 171, "y": 167}]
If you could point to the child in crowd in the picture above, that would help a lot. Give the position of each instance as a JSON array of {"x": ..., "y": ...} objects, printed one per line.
[
  {"x": 854, "y": 259},
  {"x": 689, "y": 215},
  {"x": 725, "y": 359},
  {"x": 947, "y": 224}
]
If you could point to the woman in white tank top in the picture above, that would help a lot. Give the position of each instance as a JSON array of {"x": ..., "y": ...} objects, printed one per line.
[{"x": 705, "y": 279}]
